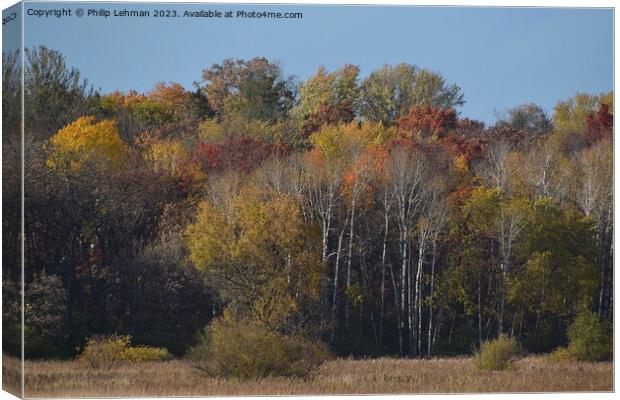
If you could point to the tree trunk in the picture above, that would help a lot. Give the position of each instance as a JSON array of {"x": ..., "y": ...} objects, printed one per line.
[
  {"x": 383, "y": 261},
  {"x": 430, "y": 298},
  {"x": 350, "y": 254},
  {"x": 335, "y": 292}
]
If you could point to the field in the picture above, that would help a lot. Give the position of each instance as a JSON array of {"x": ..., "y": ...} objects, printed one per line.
[{"x": 378, "y": 376}]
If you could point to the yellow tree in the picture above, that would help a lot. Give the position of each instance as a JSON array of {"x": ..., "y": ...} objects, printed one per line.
[
  {"x": 259, "y": 256},
  {"x": 86, "y": 141}
]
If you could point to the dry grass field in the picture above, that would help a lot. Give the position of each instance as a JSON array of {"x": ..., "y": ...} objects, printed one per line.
[{"x": 378, "y": 376}]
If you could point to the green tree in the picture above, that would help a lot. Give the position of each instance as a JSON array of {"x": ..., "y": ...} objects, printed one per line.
[
  {"x": 389, "y": 92},
  {"x": 529, "y": 117},
  {"x": 327, "y": 94},
  {"x": 254, "y": 89},
  {"x": 54, "y": 93},
  {"x": 559, "y": 275}
]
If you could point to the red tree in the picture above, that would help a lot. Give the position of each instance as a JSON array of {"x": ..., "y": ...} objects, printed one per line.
[
  {"x": 600, "y": 125},
  {"x": 243, "y": 153},
  {"x": 425, "y": 121}
]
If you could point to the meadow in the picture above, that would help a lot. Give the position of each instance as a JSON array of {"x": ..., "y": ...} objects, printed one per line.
[{"x": 341, "y": 376}]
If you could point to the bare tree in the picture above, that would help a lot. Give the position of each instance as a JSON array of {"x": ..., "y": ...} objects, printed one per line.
[
  {"x": 545, "y": 173},
  {"x": 406, "y": 173}
]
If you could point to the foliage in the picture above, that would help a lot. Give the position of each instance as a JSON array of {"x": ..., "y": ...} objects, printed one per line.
[
  {"x": 145, "y": 354},
  {"x": 327, "y": 98},
  {"x": 54, "y": 93},
  {"x": 45, "y": 314},
  {"x": 389, "y": 92},
  {"x": 85, "y": 141},
  {"x": 249, "y": 349},
  {"x": 497, "y": 355},
  {"x": 256, "y": 253},
  {"x": 571, "y": 116},
  {"x": 560, "y": 354},
  {"x": 104, "y": 352},
  {"x": 590, "y": 339},
  {"x": 244, "y": 153},
  {"x": 254, "y": 89},
  {"x": 363, "y": 213},
  {"x": 600, "y": 125},
  {"x": 529, "y": 117},
  {"x": 424, "y": 122}
]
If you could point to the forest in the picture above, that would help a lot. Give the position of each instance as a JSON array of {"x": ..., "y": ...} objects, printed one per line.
[{"x": 364, "y": 213}]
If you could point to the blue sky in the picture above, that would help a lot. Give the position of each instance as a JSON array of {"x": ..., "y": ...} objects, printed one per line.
[{"x": 501, "y": 57}]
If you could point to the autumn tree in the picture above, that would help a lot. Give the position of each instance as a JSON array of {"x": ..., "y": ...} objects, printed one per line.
[
  {"x": 254, "y": 89},
  {"x": 528, "y": 117},
  {"x": 571, "y": 116},
  {"x": 327, "y": 98},
  {"x": 261, "y": 260},
  {"x": 594, "y": 196},
  {"x": 87, "y": 141},
  {"x": 389, "y": 92},
  {"x": 600, "y": 125},
  {"x": 423, "y": 122}
]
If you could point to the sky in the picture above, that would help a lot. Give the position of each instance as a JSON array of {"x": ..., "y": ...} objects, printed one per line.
[{"x": 501, "y": 57}]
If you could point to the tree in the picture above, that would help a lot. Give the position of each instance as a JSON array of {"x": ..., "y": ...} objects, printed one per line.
[
  {"x": 54, "y": 93},
  {"x": 571, "y": 116},
  {"x": 502, "y": 219},
  {"x": 600, "y": 125},
  {"x": 260, "y": 260},
  {"x": 545, "y": 172},
  {"x": 327, "y": 98},
  {"x": 529, "y": 117},
  {"x": 87, "y": 141},
  {"x": 407, "y": 173},
  {"x": 170, "y": 302},
  {"x": 424, "y": 122},
  {"x": 135, "y": 113},
  {"x": 389, "y": 92},
  {"x": 559, "y": 275},
  {"x": 45, "y": 314},
  {"x": 236, "y": 152},
  {"x": 176, "y": 100},
  {"x": 255, "y": 89},
  {"x": 594, "y": 196}
]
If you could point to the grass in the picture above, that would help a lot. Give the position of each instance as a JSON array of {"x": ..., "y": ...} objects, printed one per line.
[{"x": 377, "y": 376}]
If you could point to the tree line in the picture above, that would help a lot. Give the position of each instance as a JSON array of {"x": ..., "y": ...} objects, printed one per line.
[{"x": 363, "y": 212}]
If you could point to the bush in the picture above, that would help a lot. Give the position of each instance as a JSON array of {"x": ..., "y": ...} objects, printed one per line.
[
  {"x": 561, "y": 354},
  {"x": 249, "y": 349},
  {"x": 145, "y": 354},
  {"x": 497, "y": 355},
  {"x": 104, "y": 352},
  {"x": 590, "y": 338}
]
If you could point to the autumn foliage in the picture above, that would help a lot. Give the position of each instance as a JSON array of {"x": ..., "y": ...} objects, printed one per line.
[
  {"x": 236, "y": 152},
  {"x": 361, "y": 212},
  {"x": 86, "y": 140},
  {"x": 425, "y": 121}
]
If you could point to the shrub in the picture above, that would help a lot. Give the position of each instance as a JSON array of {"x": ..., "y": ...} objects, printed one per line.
[
  {"x": 497, "y": 355},
  {"x": 561, "y": 354},
  {"x": 249, "y": 349},
  {"x": 104, "y": 352},
  {"x": 145, "y": 354},
  {"x": 590, "y": 338}
]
